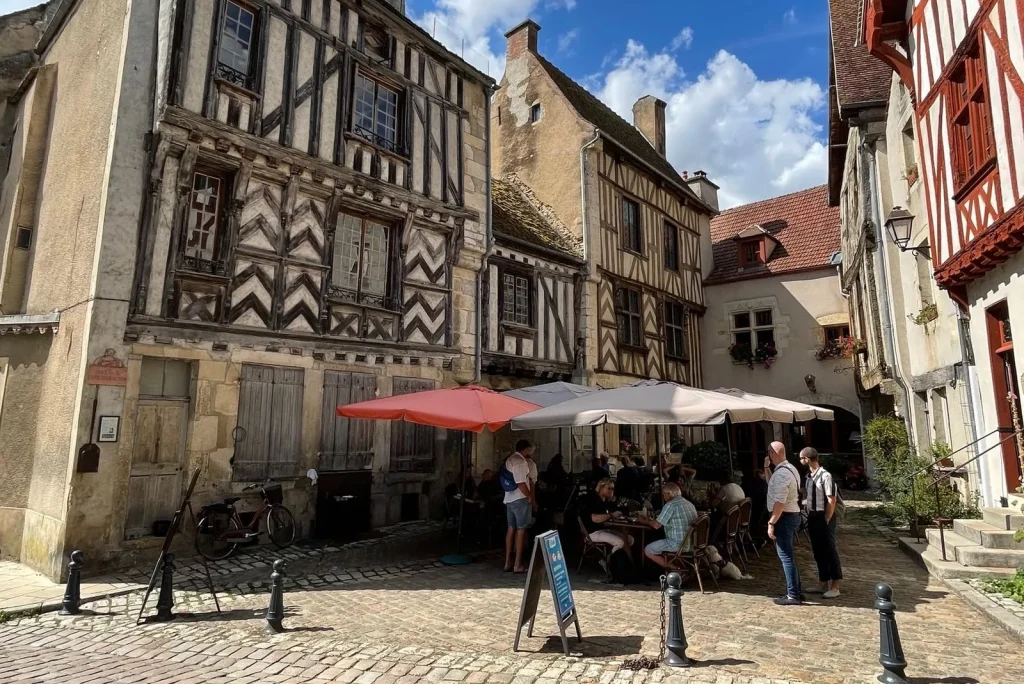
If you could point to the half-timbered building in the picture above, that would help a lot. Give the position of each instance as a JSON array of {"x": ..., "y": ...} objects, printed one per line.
[
  {"x": 643, "y": 226},
  {"x": 293, "y": 204},
  {"x": 963, "y": 63}
]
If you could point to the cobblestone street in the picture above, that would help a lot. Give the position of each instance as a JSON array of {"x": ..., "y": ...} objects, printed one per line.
[{"x": 421, "y": 621}]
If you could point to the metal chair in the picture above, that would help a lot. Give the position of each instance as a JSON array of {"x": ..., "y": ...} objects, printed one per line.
[
  {"x": 743, "y": 537},
  {"x": 728, "y": 533},
  {"x": 697, "y": 538},
  {"x": 593, "y": 548}
]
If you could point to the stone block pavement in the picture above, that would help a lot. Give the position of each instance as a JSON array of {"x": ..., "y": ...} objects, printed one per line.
[{"x": 419, "y": 621}]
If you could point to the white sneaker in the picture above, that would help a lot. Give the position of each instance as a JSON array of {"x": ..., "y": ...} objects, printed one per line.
[{"x": 831, "y": 593}]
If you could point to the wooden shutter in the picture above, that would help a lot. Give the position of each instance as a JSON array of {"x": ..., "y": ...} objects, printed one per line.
[
  {"x": 346, "y": 444},
  {"x": 270, "y": 415},
  {"x": 412, "y": 446}
]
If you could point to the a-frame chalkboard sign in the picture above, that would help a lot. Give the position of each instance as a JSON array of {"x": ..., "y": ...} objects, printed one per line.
[{"x": 547, "y": 554}]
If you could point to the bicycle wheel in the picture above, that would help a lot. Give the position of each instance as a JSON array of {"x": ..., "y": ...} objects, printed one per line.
[
  {"x": 281, "y": 526},
  {"x": 210, "y": 538}
]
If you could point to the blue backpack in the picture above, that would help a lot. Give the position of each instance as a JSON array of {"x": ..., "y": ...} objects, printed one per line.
[{"x": 506, "y": 479}]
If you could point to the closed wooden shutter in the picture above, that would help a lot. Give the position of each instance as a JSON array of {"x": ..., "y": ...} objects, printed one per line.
[
  {"x": 412, "y": 446},
  {"x": 346, "y": 444},
  {"x": 270, "y": 415}
]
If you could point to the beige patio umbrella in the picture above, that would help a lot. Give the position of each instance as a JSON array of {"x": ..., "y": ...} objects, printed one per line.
[{"x": 801, "y": 411}]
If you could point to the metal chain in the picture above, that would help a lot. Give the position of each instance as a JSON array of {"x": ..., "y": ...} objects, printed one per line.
[{"x": 647, "y": 662}]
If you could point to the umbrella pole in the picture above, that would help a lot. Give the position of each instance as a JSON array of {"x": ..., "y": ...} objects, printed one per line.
[
  {"x": 657, "y": 457},
  {"x": 728, "y": 443},
  {"x": 459, "y": 558}
]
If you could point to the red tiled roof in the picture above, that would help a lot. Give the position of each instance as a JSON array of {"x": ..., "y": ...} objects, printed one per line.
[
  {"x": 861, "y": 78},
  {"x": 805, "y": 227}
]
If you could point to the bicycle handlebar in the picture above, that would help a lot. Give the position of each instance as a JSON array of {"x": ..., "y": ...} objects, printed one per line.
[{"x": 255, "y": 485}]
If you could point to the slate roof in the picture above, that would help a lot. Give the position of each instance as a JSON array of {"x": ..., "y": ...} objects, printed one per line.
[
  {"x": 517, "y": 213},
  {"x": 601, "y": 116},
  {"x": 805, "y": 227},
  {"x": 861, "y": 78}
]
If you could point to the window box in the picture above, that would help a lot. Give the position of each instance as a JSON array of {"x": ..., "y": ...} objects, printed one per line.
[
  {"x": 764, "y": 354},
  {"x": 841, "y": 348},
  {"x": 926, "y": 315}
]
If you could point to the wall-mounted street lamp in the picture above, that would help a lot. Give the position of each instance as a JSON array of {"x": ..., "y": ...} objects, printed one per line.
[{"x": 899, "y": 223}]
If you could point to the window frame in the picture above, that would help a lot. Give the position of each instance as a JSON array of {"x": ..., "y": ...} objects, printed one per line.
[
  {"x": 536, "y": 113},
  {"x": 636, "y": 232},
  {"x": 625, "y": 314},
  {"x": 386, "y": 301},
  {"x": 198, "y": 263},
  {"x": 827, "y": 330},
  {"x": 531, "y": 297},
  {"x": 760, "y": 259},
  {"x": 752, "y": 328},
  {"x": 670, "y": 238},
  {"x": 672, "y": 328},
  {"x": 396, "y": 146},
  {"x": 969, "y": 118},
  {"x": 228, "y": 72}
]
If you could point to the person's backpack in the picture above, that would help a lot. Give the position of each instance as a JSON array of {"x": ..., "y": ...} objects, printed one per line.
[{"x": 506, "y": 479}]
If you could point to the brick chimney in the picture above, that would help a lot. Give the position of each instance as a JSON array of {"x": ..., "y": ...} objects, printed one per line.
[
  {"x": 703, "y": 188},
  {"x": 520, "y": 39},
  {"x": 649, "y": 119}
]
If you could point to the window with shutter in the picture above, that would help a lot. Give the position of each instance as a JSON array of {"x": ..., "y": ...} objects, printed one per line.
[
  {"x": 270, "y": 420},
  {"x": 412, "y": 446},
  {"x": 970, "y": 119},
  {"x": 346, "y": 443}
]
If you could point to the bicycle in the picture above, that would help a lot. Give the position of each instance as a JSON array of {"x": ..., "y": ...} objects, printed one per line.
[{"x": 220, "y": 529}]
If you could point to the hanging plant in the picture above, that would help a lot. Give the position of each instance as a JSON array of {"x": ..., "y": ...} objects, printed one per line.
[
  {"x": 926, "y": 315},
  {"x": 842, "y": 348},
  {"x": 765, "y": 354},
  {"x": 741, "y": 353}
]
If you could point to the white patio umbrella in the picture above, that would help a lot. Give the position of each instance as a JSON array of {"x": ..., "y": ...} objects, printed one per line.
[
  {"x": 801, "y": 411},
  {"x": 650, "y": 402},
  {"x": 550, "y": 394}
]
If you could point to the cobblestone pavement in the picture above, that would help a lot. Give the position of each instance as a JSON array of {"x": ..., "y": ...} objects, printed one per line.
[{"x": 420, "y": 621}]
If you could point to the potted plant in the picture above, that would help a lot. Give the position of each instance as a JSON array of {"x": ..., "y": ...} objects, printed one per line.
[
  {"x": 741, "y": 353},
  {"x": 926, "y": 315},
  {"x": 765, "y": 354},
  {"x": 856, "y": 479}
]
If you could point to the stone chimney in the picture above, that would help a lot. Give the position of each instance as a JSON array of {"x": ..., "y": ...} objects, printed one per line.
[
  {"x": 703, "y": 188},
  {"x": 520, "y": 39},
  {"x": 649, "y": 119}
]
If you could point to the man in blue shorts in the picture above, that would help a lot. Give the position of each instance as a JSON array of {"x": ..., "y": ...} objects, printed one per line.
[{"x": 518, "y": 504}]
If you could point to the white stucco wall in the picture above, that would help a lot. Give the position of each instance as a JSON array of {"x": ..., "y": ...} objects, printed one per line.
[{"x": 797, "y": 301}]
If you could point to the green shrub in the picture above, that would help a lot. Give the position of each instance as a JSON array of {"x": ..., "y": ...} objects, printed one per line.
[
  {"x": 709, "y": 459},
  {"x": 1012, "y": 588},
  {"x": 836, "y": 464}
]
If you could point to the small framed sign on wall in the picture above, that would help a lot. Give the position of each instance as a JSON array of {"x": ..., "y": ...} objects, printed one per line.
[{"x": 109, "y": 428}]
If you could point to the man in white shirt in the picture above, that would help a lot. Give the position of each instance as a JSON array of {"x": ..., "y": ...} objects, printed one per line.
[
  {"x": 518, "y": 503},
  {"x": 784, "y": 518},
  {"x": 821, "y": 503}
]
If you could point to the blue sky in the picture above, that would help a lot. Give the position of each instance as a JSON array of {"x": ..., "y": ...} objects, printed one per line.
[{"x": 745, "y": 80}]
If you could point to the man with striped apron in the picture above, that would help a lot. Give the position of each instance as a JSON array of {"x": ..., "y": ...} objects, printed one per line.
[{"x": 822, "y": 499}]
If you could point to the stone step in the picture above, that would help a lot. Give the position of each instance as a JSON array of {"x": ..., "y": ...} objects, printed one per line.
[
  {"x": 966, "y": 552},
  {"x": 930, "y": 559},
  {"x": 1004, "y": 518},
  {"x": 989, "y": 536},
  {"x": 1016, "y": 501}
]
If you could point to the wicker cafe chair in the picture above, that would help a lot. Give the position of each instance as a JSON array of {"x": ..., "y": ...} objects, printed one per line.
[
  {"x": 590, "y": 547},
  {"x": 698, "y": 539},
  {"x": 727, "y": 533},
  {"x": 743, "y": 537}
]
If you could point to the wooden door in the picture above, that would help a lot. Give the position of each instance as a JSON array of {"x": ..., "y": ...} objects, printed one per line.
[
  {"x": 346, "y": 444},
  {"x": 1004, "y": 386},
  {"x": 154, "y": 484}
]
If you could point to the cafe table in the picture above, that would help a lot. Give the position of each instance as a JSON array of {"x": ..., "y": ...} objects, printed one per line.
[{"x": 628, "y": 526}]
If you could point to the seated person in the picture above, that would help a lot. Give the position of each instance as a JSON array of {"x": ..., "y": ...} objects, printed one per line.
[
  {"x": 627, "y": 480},
  {"x": 469, "y": 486},
  {"x": 676, "y": 519},
  {"x": 598, "y": 510},
  {"x": 728, "y": 495},
  {"x": 489, "y": 490},
  {"x": 555, "y": 474}
]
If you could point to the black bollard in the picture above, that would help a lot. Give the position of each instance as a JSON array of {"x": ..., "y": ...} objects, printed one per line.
[
  {"x": 275, "y": 611},
  {"x": 675, "y": 638},
  {"x": 165, "y": 602},
  {"x": 890, "y": 650},
  {"x": 73, "y": 591}
]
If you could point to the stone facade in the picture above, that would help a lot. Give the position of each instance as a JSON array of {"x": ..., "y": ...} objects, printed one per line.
[{"x": 218, "y": 173}]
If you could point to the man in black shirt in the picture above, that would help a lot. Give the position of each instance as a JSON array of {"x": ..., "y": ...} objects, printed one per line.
[{"x": 598, "y": 510}]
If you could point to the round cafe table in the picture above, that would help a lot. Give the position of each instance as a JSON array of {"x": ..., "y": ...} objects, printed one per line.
[{"x": 629, "y": 526}]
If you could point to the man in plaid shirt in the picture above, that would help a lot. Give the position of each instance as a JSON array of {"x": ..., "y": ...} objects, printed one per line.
[{"x": 676, "y": 519}]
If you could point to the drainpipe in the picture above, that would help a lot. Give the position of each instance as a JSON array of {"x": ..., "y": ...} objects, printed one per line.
[
  {"x": 585, "y": 295},
  {"x": 886, "y": 305},
  {"x": 488, "y": 242}
]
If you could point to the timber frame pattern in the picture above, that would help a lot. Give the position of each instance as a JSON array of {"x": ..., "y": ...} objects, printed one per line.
[
  {"x": 282, "y": 142},
  {"x": 622, "y": 270}
]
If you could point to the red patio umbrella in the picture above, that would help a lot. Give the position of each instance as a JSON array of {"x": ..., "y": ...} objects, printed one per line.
[{"x": 469, "y": 408}]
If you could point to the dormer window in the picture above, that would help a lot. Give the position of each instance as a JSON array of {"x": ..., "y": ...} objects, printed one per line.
[
  {"x": 376, "y": 44},
  {"x": 751, "y": 252}
]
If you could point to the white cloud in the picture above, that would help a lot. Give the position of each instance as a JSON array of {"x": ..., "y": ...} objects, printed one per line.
[
  {"x": 790, "y": 16},
  {"x": 755, "y": 138},
  {"x": 566, "y": 40},
  {"x": 683, "y": 40},
  {"x": 464, "y": 27},
  {"x": 567, "y": 5}
]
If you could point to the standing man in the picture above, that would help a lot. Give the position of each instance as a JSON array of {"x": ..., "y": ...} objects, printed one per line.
[
  {"x": 515, "y": 480},
  {"x": 676, "y": 517},
  {"x": 822, "y": 499},
  {"x": 784, "y": 518}
]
